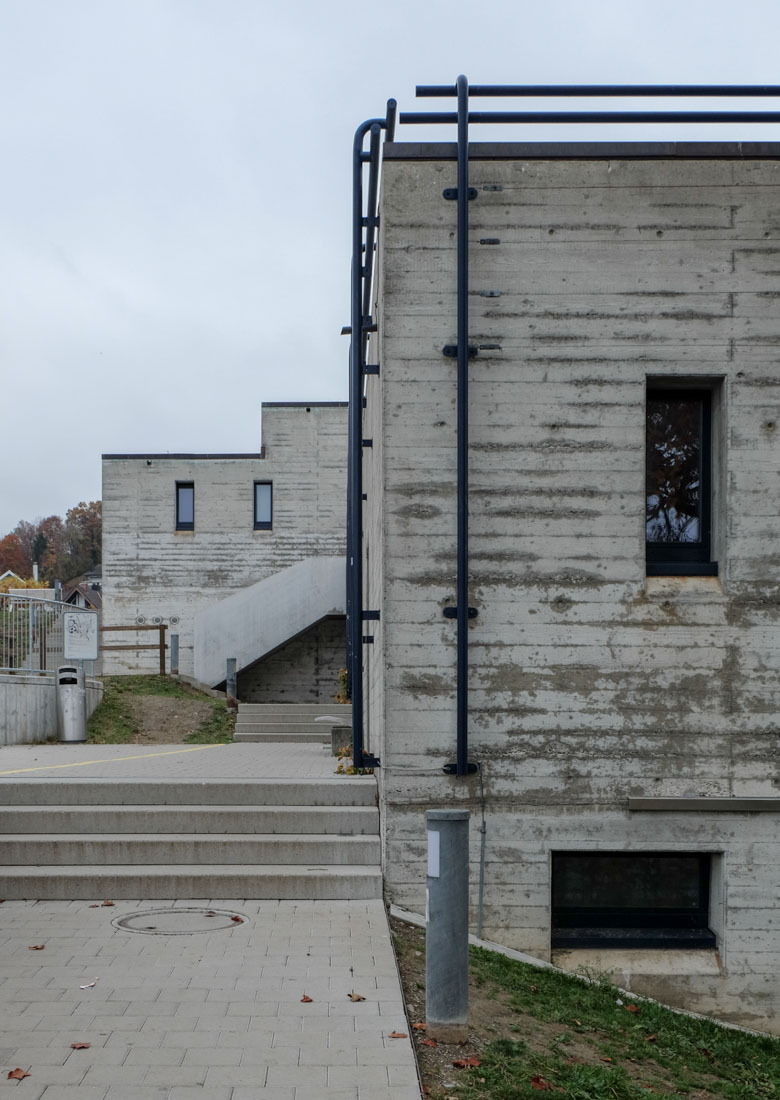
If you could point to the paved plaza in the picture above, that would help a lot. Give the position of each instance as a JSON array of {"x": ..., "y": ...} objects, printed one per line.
[{"x": 187, "y": 1004}]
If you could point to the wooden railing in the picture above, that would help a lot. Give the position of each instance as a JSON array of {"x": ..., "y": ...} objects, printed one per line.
[{"x": 160, "y": 645}]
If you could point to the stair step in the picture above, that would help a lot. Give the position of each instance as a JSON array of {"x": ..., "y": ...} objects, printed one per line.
[
  {"x": 338, "y": 791},
  {"x": 271, "y": 733},
  {"x": 301, "y": 709},
  {"x": 89, "y": 850},
  {"x": 280, "y": 882},
  {"x": 102, "y": 820}
]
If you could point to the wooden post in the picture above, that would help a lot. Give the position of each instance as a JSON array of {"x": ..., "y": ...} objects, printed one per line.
[{"x": 162, "y": 648}]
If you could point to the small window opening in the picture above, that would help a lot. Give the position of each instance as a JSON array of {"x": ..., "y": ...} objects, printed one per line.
[
  {"x": 631, "y": 899},
  {"x": 263, "y": 505},
  {"x": 185, "y": 506},
  {"x": 678, "y": 497}
]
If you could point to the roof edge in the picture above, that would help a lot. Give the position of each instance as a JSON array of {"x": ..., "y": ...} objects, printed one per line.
[{"x": 585, "y": 150}]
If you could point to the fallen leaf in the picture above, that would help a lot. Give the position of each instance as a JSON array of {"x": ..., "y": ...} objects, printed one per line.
[
  {"x": 533, "y": 988},
  {"x": 107, "y": 902},
  {"x": 578, "y": 1023},
  {"x": 632, "y": 1008},
  {"x": 17, "y": 1074},
  {"x": 37, "y": 947},
  {"x": 89, "y": 984},
  {"x": 419, "y": 1027},
  {"x": 466, "y": 1063},
  {"x": 356, "y": 996},
  {"x": 398, "y": 1035},
  {"x": 541, "y": 1084},
  {"x": 80, "y": 1046},
  {"x": 429, "y": 1043},
  {"x": 210, "y": 914},
  {"x": 238, "y": 920},
  {"x": 606, "y": 1059},
  {"x": 650, "y": 1038},
  {"x": 706, "y": 1053},
  {"x": 306, "y": 999}
]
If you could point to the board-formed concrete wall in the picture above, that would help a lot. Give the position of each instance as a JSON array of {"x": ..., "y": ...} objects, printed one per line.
[
  {"x": 305, "y": 670},
  {"x": 590, "y": 682},
  {"x": 151, "y": 570}
]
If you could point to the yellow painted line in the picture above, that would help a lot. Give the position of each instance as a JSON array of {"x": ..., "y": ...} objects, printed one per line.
[{"x": 110, "y": 760}]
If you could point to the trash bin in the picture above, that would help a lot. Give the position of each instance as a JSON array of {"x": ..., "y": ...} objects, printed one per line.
[{"x": 71, "y": 704}]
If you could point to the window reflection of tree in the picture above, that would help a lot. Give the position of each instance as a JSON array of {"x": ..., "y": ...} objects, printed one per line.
[{"x": 673, "y": 470}]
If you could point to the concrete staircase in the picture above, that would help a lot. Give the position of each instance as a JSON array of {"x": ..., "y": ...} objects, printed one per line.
[
  {"x": 284, "y": 839},
  {"x": 289, "y": 721}
]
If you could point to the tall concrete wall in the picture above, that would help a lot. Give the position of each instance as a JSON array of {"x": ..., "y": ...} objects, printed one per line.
[
  {"x": 306, "y": 670},
  {"x": 151, "y": 570},
  {"x": 28, "y": 707},
  {"x": 589, "y": 681}
]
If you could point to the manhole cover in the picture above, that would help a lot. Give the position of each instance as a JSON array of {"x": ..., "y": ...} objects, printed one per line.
[{"x": 178, "y": 922}]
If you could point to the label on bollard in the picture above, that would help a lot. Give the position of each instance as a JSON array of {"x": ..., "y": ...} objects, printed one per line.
[{"x": 433, "y": 853}]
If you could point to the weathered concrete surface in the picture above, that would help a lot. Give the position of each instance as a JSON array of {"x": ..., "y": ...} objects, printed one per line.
[
  {"x": 151, "y": 570},
  {"x": 28, "y": 707},
  {"x": 305, "y": 670},
  {"x": 589, "y": 682}
]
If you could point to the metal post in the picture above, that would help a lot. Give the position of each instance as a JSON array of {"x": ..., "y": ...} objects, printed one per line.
[
  {"x": 447, "y": 924},
  {"x": 174, "y": 654},
  {"x": 163, "y": 628},
  {"x": 231, "y": 682}
]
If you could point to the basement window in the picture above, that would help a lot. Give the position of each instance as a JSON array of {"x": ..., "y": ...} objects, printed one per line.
[
  {"x": 678, "y": 497},
  {"x": 264, "y": 505},
  {"x": 631, "y": 899},
  {"x": 185, "y": 505}
]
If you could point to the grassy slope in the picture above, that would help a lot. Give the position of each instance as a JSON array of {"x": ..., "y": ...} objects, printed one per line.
[{"x": 113, "y": 722}]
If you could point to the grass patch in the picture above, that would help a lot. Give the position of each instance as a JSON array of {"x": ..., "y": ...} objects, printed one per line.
[
  {"x": 648, "y": 1050},
  {"x": 535, "y": 1031},
  {"x": 217, "y": 729}
]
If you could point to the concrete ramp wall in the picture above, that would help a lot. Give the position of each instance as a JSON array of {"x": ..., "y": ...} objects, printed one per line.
[{"x": 258, "y": 619}]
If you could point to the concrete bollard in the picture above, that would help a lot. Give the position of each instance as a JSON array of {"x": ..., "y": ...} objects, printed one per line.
[
  {"x": 447, "y": 924},
  {"x": 340, "y": 738}
]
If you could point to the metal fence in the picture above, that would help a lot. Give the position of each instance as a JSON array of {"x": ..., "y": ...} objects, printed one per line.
[{"x": 32, "y": 632}]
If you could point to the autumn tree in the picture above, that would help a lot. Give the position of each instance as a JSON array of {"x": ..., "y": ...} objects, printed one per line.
[
  {"x": 62, "y": 550},
  {"x": 14, "y": 557}
]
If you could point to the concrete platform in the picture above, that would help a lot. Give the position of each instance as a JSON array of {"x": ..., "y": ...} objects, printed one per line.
[{"x": 212, "y": 1014}]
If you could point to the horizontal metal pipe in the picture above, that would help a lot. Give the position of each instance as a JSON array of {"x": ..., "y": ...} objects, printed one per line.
[
  {"x": 422, "y": 118},
  {"x": 543, "y": 90}
]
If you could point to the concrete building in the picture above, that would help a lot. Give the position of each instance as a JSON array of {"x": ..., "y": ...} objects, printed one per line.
[
  {"x": 241, "y": 555},
  {"x": 623, "y": 568}
]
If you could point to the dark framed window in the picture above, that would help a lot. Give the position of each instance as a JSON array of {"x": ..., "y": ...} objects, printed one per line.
[
  {"x": 264, "y": 505},
  {"x": 678, "y": 496},
  {"x": 631, "y": 899},
  {"x": 185, "y": 505}
]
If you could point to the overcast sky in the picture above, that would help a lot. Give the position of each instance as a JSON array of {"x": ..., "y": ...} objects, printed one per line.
[{"x": 175, "y": 193}]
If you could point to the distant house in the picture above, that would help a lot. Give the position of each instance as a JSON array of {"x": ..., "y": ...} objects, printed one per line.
[
  {"x": 84, "y": 591},
  {"x": 240, "y": 555}
]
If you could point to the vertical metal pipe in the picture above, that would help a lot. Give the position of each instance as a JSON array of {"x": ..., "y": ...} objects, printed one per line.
[
  {"x": 463, "y": 427},
  {"x": 354, "y": 459}
]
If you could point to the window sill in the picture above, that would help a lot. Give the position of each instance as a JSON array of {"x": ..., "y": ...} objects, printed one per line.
[
  {"x": 633, "y": 939},
  {"x": 637, "y": 961},
  {"x": 670, "y": 587}
]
